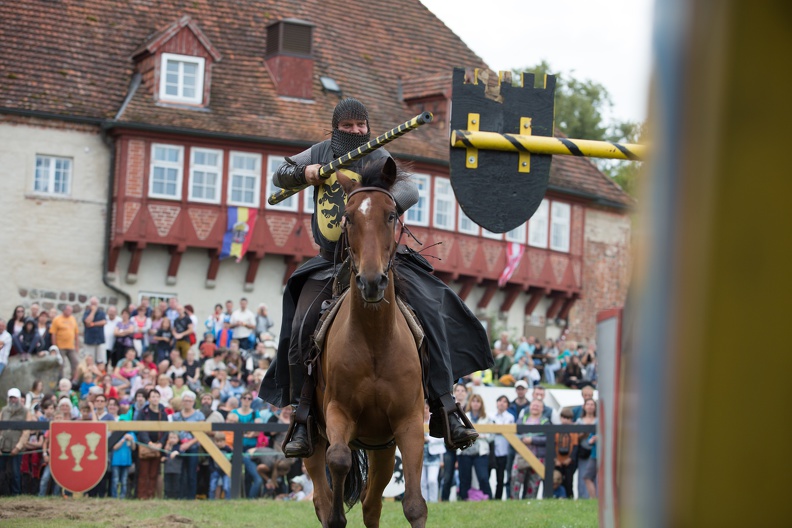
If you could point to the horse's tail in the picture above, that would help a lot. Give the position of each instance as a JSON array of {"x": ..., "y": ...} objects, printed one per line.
[{"x": 355, "y": 482}]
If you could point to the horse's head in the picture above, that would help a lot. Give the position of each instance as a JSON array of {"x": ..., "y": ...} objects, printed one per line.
[{"x": 370, "y": 225}]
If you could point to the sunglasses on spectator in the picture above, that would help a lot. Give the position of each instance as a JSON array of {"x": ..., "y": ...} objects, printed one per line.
[{"x": 246, "y": 398}]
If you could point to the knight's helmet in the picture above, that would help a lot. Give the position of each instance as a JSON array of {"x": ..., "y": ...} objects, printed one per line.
[{"x": 343, "y": 142}]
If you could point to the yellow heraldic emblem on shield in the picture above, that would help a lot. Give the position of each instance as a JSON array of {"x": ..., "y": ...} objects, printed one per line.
[{"x": 330, "y": 205}]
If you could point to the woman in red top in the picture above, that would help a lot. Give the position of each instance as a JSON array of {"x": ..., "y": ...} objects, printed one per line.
[{"x": 141, "y": 325}]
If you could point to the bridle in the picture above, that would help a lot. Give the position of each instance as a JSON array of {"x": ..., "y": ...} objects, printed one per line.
[{"x": 345, "y": 238}]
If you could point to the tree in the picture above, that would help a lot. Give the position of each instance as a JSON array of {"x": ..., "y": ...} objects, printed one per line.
[{"x": 579, "y": 109}]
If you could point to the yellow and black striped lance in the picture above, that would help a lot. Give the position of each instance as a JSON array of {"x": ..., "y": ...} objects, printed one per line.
[{"x": 350, "y": 157}]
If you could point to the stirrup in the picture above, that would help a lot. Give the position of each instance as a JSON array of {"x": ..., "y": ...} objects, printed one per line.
[{"x": 310, "y": 427}]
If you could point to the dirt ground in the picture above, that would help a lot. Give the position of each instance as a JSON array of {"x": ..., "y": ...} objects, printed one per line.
[{"x": 33, "y": 511}]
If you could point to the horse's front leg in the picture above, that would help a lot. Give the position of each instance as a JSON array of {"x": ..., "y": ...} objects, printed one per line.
[
  {"x": 322, "y": 496},
  {"x": 410, "y": 439},
  {"x": 339, "y": 460}
]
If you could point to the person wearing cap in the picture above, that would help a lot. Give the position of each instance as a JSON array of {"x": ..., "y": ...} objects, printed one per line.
[
  {"x": 456, "y": 341},
  {"x": 5, "y": 345},
  {"x": 12, "y": 441}
]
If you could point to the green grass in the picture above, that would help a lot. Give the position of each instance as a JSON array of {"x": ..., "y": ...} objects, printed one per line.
[{"x": 32, "y": 512}]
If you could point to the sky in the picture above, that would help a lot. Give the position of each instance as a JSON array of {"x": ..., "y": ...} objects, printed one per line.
[{"x": 607, "y": 41}]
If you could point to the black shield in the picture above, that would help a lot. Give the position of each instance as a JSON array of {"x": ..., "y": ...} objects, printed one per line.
[{"x": 496, "y": 195}]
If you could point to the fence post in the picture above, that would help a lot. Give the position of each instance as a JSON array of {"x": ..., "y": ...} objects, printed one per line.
[
  {"x": 236, "y": 466},
  {"x": 549, "y": 464}
]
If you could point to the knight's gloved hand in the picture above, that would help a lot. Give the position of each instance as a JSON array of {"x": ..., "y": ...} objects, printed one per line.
[{"x": 312, "y": 174}]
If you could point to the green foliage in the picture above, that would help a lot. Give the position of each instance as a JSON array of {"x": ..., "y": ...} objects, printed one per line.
[{"x": 580, "y": 109}]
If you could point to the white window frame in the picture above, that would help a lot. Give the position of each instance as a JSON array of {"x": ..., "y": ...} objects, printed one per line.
[
  {"x": 289, "y": 204},
  {"x": 538, "y": 226},
  {"x": 421, "y": 207},
  {"x": 216, "y": 169},
  {"x": 308, "y": 200},
  {"x": 199, "y": 78},
  {"x": 50, "y": 176},
  {"x": 255, "y": 174},
  {"x": 444, "y": 199},
  {"x": 560, "y": 215},
  {"x": 177, "y": 165},
  {"x": 471, "y": 229},
  {"x": 517, "y": 234},
  {"x": 486, "y": 233}
]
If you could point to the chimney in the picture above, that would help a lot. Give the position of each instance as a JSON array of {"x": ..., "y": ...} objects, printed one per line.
[{"x": 289, "y": 57}]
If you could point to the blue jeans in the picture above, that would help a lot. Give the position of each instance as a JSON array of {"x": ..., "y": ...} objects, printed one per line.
[
  {"x": 189, "y": 474},
  {"x": 218, "y": 477},
  {"x": 120, "y": 477},
  {"x": 258, "y": 482},
  {"x": 550, "y": 371},
  {"x": 466, "y": 466},
  {"x": 46, "y": 476},
  {"x": 449, "y": 461},
  {"x": 16, "y": 468}
]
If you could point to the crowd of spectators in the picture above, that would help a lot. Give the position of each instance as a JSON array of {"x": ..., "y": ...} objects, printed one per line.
[
  {"x": 155, "y": 363},
  {"x": 161, "y": 363}
]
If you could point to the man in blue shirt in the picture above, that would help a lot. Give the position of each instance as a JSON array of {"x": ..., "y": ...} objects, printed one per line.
[{"x": 94, "y": 320}]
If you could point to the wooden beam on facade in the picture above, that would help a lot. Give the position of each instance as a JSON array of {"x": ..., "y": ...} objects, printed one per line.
[
  {"x": 537, "y": 294},
  {"x": 468, "y": 283},
  {"x": 214, "y": 267},
  {"x": 512, "y": 292},
  {"x": 134, "y": 262},
  {"x": 176, "y": 253},
  {"x": 254, "y": 259},
  {"x": 489, "y": 293},
  {"x": 555, "y": 306}
]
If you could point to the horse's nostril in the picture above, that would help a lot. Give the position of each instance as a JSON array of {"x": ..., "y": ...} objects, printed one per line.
[{"x": 383, "y": 282}]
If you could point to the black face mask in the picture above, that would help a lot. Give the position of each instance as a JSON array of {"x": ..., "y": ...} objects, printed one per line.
[{"x": 343, "y": 142}]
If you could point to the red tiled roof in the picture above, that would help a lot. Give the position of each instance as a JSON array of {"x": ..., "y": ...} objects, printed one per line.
[{"x": 76, "y": 59}]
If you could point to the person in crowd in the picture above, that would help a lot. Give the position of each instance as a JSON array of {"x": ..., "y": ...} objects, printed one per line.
[
  {"x": 67, "y": 408},
  {"x": 502, "y": 448},
  {"x": 552, "y": 365},
  {"x": 587, "y": 462},
  {"x": 273, "y": 466},
  {"x": 48, "y": 415},
  {"x": 35, "y": 395},
  {"x": 147, "y": 361},
  {"x": 26, "y": 341},
  {"x": 164, "y": 388},
  {"x": 225, "y": 336},
  {"x": 475, "y": 457},
  {"x": 141, "y": 325},
  {"x": 94, "y": 321},
  {"x": 218, "y": 478},
  {"x": 109, "y": 328},
  {"x": 42, "y": 329},
  {"x": 87, "y": 366},
  {"x": 539, "y": 393},
  {"x": 107, "y": 386},
  {"x": 566, "y": 454},
  {"x": 100, "y": 406},
  {"x": 150, "y": 445},
  {"x": 521, "y": 471},
  {"x": 590, "y": 370},
  {"x": 35, "y": 311},
  {"x": 434, "y": 449},
  {"x": 127, "y": 369},
  {"x": 559, "y": 491},
  {"x": 297, "y": 492},
  {"x": 532, "y": 374},
  {"x": 519, "y": 370},
  {"x": 156, "y": 323},
  {"x": 587, "y": 393},
  {"x": 192, "y": 372},
  {"x": 66, "y": 335},
  {"x": 124, "y": 329},
  {"x": 208, "y": 346},
  {"x": 188, "y": 445},
  {"x": 173, "y": 311},
  {"x": 65, "y": 391},
  {"x": 208, "y": 405},
  {"x": 173, "y": 465},
  {"x": 86, "y": 384},
  {"x": 246, "y": 414},
  {"x": 263, "y": 321},
  {"x": 573, "y": 373},
  {"x": 233, "y": 389},
  {"x": 5, "y": 345},
  {"x": 243, "y": 323},
  {"x": 12, "y": 441},
  {"x": 214, "y": 323},
  {"x": 525, "y": 348},
  {"x": 120, "y": 460},
  {"x": 234, "y": 362},
  {"x": 520, "y": 402},
  {"x": 503, "y": 352},
  {"x": 183, "y": 331},
  {"x": 450, "y": 456},
  {"x": 17, "y": 320}
]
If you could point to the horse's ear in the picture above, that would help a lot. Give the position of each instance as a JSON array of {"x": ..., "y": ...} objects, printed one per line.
[
  {"x": 389, "y": 171},
  {"x": 346, "y": 183}
]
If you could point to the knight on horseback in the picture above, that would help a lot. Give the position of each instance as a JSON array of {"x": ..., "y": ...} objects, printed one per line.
[{"x": 456, "y": 341}]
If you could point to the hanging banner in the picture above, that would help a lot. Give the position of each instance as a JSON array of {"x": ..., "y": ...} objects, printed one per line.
[
  {"x": 514, "y": 253},
  {"x": 239, "y": 232}
]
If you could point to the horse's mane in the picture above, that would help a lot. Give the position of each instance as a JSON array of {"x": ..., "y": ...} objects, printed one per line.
[{"x": 372, "y": 172}]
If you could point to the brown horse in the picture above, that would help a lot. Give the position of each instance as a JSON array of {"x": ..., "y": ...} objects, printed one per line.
[{"x": 369, "y": 391}]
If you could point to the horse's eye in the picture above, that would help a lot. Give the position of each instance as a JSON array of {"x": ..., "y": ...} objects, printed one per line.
[{"x": 392, "y": 217}]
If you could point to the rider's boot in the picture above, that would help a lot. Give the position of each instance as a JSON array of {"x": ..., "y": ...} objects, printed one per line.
[
  {"x": 298, "y": 443},
  {"x": 449, "y": 422}
]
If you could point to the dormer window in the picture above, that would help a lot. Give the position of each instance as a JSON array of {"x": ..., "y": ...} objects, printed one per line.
[{"x": 182, "y": 78}]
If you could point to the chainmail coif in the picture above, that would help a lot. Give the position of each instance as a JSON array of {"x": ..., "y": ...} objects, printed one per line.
[{"x": 343, "y": 142}]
